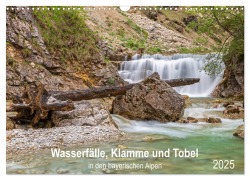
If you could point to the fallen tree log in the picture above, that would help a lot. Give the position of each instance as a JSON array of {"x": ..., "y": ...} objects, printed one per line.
[
  {"x": 35, "y": 106},
  {"x": 36, "y": 103},
  {"x": 92, "y": 93}
]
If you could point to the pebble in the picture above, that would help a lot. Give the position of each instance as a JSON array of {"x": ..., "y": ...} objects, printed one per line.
[
  {"x": 22, "y": 141},
  {"x": 62, "y": 171}
]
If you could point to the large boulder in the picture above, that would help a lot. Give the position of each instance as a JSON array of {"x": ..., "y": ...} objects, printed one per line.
[
  {"x": 151, "y": 99},
  {"x": 239, "y": 131},
  {"x": 86, "y": 113}
]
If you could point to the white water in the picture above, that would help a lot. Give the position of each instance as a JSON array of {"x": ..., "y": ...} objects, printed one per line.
[
  {"x": 172, "y": 67},
  {"x": 182, "y": 130},
  {"x": 214, "y": 141}
]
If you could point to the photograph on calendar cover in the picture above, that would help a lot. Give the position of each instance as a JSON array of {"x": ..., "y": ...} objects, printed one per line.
[{"x": 134, "y": 90}]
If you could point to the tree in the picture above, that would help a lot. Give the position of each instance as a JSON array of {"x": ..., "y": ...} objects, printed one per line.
[{"x": 226, "y": 26}]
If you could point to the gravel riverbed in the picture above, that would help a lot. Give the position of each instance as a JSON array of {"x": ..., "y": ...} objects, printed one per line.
[{"x": 25, "y": 141}]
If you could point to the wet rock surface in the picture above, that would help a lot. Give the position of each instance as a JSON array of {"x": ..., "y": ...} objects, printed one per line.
[
  {"x": 240, "y": 131},
  {"x": 151, "y": 99},
  {"x": 196, "y": 120},
  {"x": 233, "y": 111},
  {"x": 213, "y": 120}
]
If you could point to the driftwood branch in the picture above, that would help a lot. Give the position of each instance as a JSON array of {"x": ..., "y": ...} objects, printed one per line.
[
  {"x": 92, "y": 93},
  {"x": 36, "y": 103}
]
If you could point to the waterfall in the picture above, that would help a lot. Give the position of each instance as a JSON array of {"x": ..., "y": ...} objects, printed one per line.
[{"x": 172, "y": 67}]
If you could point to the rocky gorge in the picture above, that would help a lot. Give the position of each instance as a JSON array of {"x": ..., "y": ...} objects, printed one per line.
[{"x": 90, "y": 50}]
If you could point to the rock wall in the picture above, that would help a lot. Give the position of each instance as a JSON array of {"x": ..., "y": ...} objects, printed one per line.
[
  {"x": 159, "y": 34},
  {"x": 232, "y": 84},
  {"x": 30, "y": 61}
]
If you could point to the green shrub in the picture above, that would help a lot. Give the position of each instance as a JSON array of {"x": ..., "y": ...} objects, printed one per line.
[
  {"x": 66, "y": 34},
  {"x": 111, "y": 81},
  {"x": 195, "y": 50},
  {"x": 26, "y": 52},
  {"x": 137, "y": 29},
  {"x": 134, "y": 44},
  {"x": 154, "y": 50},
  {"x": 201, "y": 40},
  {"x": 106, "y": 60}
]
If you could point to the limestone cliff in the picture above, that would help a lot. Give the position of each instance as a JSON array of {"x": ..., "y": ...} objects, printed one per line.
[
  {"x": 232, "y": 84},
  {"x": 32, "y": 57},
  {"x": 76, "y": 49}
]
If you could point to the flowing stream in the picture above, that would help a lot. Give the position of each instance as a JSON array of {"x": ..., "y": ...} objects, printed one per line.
[
  {"x": 214, "y": 141},
  {"x": 172, "y": 67}
]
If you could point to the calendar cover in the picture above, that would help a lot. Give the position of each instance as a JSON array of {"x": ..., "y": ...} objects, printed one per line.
[{"x": 125, "y": 90}]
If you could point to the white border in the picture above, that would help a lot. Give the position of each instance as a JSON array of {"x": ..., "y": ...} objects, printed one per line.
[
  {"x": 127, "y": 2},
  {"x": 120, "y": 3}
]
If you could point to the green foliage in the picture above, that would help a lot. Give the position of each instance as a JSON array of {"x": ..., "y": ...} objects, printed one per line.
[
  {"x": 130, "y": 42},
  {"x": 201, "y": 40},
  {"x": 66, "y": 34},
  {"x": 111, "y": 81},
  {"x": 172, "y": 15},
  {"x": 10, "y": 61},
  {"x": 109, "y": 24},
  {"x": 195, "y": 50},
  {"x": 154, "y": 50},
  {"x": 121, "y": 32},
  {"x": 227, "y": 24},
  {"x": 137, "y": 29},
  {"x": 134, "y": 44},
  {"x": 26, "y": 52},
  {"x": 112, "y": 33},
  {"x": 106, "y": 60},
  {"x": 213, "y": 65},
  {"x": 123, "y": 13}
]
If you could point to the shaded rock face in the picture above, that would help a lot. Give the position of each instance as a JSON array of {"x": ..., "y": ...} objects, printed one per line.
[
  {"x": 151, "y": 15},
  {"x": 151, "y": 99},
  {"x": 86, "y": 113},
  {"x": 189, "y": 19},
  {"x": 232, "y": 84},
  {"x": 240, "y": 132},
  {"x": 233, "y": 111},
  {"x": 9, "y": 124},
  {"x": 28, "y": 59}
]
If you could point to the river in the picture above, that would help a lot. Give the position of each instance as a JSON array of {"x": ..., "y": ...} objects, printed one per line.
[
  {"x": 173, "y": 67},
  {"x": 213, "y": 141}
]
